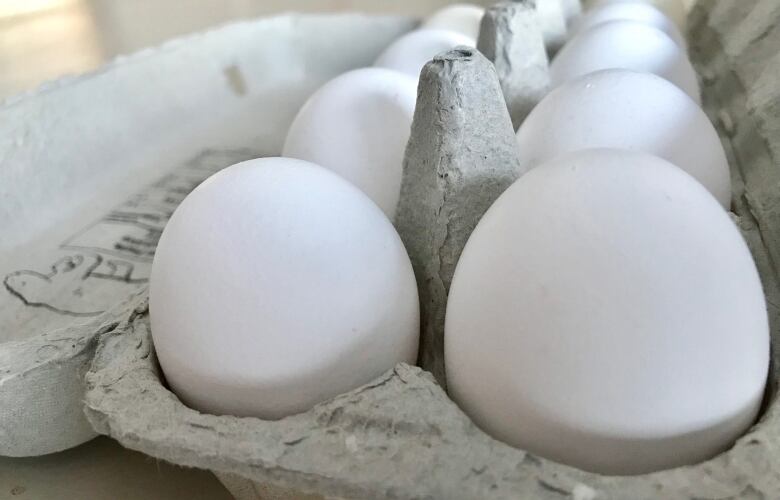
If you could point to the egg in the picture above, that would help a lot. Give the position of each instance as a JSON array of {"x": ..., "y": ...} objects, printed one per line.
[
  {"x": 627, "y": 110},
  {"x": 552, "y": 19},
  {"x": 572, "y": 9},
  {"x": 630, "y": 11},
  {"x": 463, "y": 18},
  {"x": 277, "y": 285},
  {"x": 607, "y": 314},
  {"x": 627, "y": 45},
  {"x": 411, "y": 52},
  {"x": 357, "y": 125},
  {"x": 674, "y": 9}
]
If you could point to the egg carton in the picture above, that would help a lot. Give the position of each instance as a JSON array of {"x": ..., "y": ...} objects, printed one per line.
[{"x": 399, "y": 436}]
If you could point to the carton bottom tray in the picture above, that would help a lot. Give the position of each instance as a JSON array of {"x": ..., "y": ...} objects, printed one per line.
[{"x": 397, "y": 437}]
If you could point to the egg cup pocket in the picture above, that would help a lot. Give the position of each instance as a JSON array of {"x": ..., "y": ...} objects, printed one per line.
[{"x": 399, "y": 436}]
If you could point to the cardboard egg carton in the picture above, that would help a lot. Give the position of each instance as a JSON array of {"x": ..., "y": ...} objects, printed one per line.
[{"x": 399, "y": 436}]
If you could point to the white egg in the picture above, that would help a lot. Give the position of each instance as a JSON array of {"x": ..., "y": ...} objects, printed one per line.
[
  {"x": 606, "y": 313},
  {"x": 277, "y": 285},
  {"x": 572, "y": 9},
  {"x": 674, "y": 9},
  {"x": 463, "y": 18},
  {"x": 412, "y": 51},
  {"x": 357, "y": 125},
  {"x": 627, "y": 110},
  {"x": 630, "y": 11},
  {"x": 551, "y": 16},
  {"x": 627, "y": 45}
]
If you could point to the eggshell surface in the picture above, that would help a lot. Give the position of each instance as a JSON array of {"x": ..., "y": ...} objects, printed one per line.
[
  {"x": 461, "y": 17},
  {"x": 607, "y": 314},
  {"x": 630, "y": 11},
  {"x": 357, "y": 125},
  {"x": 552, "y": 18},
  {"x": 674, "y": 9},
  {"x": 277, "y": 285},
  {"x": 412, "y": 51},
  {"x": 627, "y": 45},
  {"x": 572, "y": 9},
  {"x": 627, "y": 110}
]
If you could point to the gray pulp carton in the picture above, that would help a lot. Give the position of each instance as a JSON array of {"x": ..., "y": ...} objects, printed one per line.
[{"x": 400, "y": 436}]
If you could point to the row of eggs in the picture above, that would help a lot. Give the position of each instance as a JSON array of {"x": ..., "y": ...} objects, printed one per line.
[
  {"x": 358, "y": 124},
  {"x": 605, "y": 312}
]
